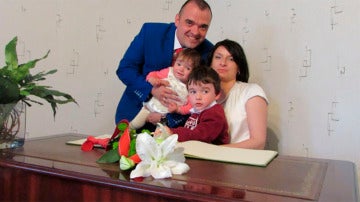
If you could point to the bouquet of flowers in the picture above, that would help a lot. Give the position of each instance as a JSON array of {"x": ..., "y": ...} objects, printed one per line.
[{"x": 147, "y": 155}]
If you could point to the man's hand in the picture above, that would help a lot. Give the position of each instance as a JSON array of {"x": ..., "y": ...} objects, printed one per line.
[{"x": 164, "y": 95}]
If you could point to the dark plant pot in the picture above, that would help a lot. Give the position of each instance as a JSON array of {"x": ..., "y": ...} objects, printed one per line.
[{"x": 12, "y": 125}]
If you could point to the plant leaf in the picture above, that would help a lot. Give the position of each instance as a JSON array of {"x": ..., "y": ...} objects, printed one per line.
[
  {"x": 111, "y": 156},
  {"x": 132, "y": 150},
  {"x": 24, "y": 69},
  {"x": 49, "y": 95},
  {"x": 40, "y": 76},
  {"x": 122, "y": 126},
  {"x": 9, "y": 91},
  {"x": 11, "y": 59}
]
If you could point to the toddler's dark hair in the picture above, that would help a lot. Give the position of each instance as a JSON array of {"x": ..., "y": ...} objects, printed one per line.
[{"x": 204, "y": 74}]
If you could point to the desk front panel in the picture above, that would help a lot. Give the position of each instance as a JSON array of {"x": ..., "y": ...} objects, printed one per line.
[{"x": 47, "y": 168}]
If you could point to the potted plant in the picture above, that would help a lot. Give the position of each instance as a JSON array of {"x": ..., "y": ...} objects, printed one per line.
[{"x": 17, "y": 86}]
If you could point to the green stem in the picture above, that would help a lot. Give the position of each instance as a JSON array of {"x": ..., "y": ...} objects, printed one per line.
[{"x": 5, "y": 116}]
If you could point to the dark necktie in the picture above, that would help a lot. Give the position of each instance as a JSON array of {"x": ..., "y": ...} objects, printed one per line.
[{"x": 176, "y": 54}]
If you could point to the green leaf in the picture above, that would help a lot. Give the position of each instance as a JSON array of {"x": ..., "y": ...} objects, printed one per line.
[
  {"x": 53, "y": 97},
  {"x": 126, "y": 163},
  {"x": 115, "y": 145},
  {"x": 132, "y": 150},
  {"x": 11, "y": 59},
  {"x": 111, "y": 156},
  {"x": 133, "y": 134},
  {"x": 122, "y": 126},
  {"x": 9, "y": 91},
  {"x": 38, "y": 77},
  {"x": 145, "y": 131},
  {"x": 24, "y": 93},
  {"x": 23, "y": 69}
]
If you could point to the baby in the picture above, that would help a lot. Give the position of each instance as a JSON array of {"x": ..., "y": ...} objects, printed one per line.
[{"x": 177, "y": 76}]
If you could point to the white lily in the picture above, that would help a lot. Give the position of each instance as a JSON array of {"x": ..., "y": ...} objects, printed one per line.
[{"x": 159, "y": 160}]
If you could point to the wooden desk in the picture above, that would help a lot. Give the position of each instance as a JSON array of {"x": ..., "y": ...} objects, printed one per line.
[{"x": 49, "y": 170}]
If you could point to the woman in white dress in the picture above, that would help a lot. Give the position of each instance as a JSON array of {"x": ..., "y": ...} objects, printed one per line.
[{"x": 245, "y": 104}]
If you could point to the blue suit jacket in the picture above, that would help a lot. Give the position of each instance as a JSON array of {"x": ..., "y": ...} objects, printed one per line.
[{"x": 151, "y": 50}]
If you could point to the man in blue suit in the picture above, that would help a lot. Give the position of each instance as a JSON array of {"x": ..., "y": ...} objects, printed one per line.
[{"x": 152, "y": 49}]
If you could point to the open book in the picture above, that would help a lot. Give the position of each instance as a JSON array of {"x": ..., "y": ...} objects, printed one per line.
[{"x": 202, "y": 150}]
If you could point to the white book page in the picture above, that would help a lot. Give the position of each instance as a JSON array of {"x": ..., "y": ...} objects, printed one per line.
[{"x": 197, "y": 149}]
